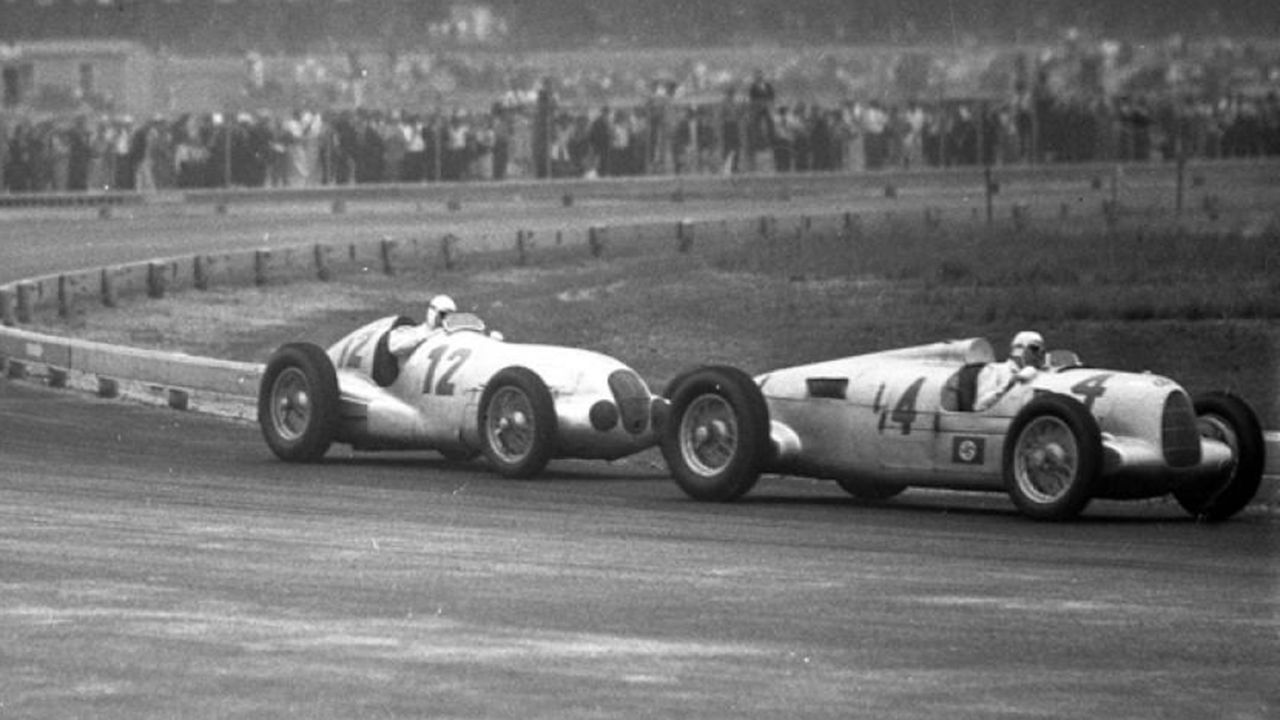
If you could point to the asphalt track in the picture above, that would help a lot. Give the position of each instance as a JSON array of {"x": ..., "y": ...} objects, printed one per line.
[{"x": 163, "y": 564}]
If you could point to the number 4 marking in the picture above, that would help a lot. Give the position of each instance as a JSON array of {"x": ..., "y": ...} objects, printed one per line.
[
  {"x": 904, "y": 411},
  {"x": 1091, "y": 388}
]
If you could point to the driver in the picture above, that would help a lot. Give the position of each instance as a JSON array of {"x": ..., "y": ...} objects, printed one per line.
[
  {"x": 1026, "y": 358},
  {"x": 405, "y": 339}
]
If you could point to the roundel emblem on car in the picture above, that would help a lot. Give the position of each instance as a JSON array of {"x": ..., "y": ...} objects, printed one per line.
[{"x": 967, "y": 451}]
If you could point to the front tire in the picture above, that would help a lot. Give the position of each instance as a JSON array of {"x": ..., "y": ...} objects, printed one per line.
[
  {"x": 1052, "y": 458},
  {"x": 1226, "y": 417},
  {"x": 716, "y": 442},
  {"x": 298, "y": 403},
  {"x": 518, "y": 424}
]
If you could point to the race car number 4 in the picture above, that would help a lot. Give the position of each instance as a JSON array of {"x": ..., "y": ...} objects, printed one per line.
[
  {"x": 1092, "y": 388},
  {"x": 904, "y": 411}
]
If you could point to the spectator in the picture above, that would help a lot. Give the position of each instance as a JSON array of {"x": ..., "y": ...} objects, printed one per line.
[
  {"x": 543, "y": 128},
  {"x": 731, "y": 123},
  {"x": 875, "y": 124},
  {"x": 600, "y": 137},
  {"x": 457, "y": 139},
  {"x": 911, "y": 120},
  {"x": 395, "y": 145},
  {"x": 761, "y": 96},
  {"x": 58, "y": 146},
  {"x": 79, "y": 154},
  {"x": 414, "y": 167},
  {"x": 18, "y": 174},
  {"x": 123, "y": 157},
  {"x": 786, "y": 126},
  {"x": 483, "y": 140}
]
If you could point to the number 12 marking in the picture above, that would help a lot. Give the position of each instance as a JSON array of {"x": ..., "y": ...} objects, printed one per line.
[{"x": 453, "y": 362}]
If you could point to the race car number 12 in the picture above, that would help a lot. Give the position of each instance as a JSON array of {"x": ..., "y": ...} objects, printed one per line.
[{"x": 445, "y": 385}]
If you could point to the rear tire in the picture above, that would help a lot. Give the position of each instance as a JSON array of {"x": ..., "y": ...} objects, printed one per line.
[
  {"x": 1227, "y": 417},
  {"x": 1052, "y": 458},
  {"x": 518, "y": 423},
  {"x": 299, "y": 403},
  {"x": 716, "y": 441}
]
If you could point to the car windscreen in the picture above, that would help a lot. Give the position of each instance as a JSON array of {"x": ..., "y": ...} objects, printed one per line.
[{"x": 455, "y": 322}]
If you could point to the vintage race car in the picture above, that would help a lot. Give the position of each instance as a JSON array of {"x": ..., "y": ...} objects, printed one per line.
[
  {"x": 882, "y": 422},
  {"x": 463, "y": 392}
]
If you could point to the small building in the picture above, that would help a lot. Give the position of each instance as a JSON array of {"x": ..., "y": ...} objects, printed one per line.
[{"x": 63, "y": 75}]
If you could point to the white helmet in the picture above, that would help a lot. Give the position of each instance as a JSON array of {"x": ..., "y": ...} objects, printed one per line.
[
  {"x": 438, "y": 308},
  {"x": 1027, "y": 349}
]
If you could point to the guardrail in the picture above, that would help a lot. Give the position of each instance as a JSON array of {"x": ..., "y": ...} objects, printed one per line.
[
  {"x": 71, "y": 199},
  {"x": 740, "y": 185}
]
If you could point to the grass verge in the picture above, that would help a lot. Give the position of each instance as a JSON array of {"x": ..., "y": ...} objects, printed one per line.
[{"x": 1200, "y": 308}]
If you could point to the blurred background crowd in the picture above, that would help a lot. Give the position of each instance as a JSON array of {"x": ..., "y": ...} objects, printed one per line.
[
  {"x": 440, "y": 92},
  {"x": 304, "y": 148}
]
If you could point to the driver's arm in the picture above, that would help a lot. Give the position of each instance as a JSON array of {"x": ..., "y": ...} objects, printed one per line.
[
  {"x": 993, "y": 382},
  {"x": 996, "y": 380},
  {"x": 403, "y": 340}
]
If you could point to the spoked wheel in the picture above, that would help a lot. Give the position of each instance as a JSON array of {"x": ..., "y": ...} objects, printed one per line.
[
  {"x": 517, "y": 423},
  {"x": 708, "y": 434},
  {"x": 717, "y": 440},
  {"x": 1229, "y": 419},
  {"x": 298, "y": 403},
  {"x": 1053, "y": 454}
]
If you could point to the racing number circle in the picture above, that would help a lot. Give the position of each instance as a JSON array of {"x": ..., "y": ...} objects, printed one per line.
[
  {"x": 298, "y": 403},
  {"x": 717, "y": 442},
  {"x": 517, "y": 423},
  {"x": 1053, "y": 455}
]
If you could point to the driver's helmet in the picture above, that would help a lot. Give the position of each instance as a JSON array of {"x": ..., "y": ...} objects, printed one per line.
[
  {"x": 438, "y": 308},
  {"x": 1027, "y": 349}
]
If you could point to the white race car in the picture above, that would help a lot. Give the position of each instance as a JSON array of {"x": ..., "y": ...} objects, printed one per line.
[
  {"x": 882, "y": 422},
  {"x": 463, "y": 392}
]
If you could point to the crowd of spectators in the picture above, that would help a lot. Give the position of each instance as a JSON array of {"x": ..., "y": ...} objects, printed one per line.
[{"x": 748, "y": 130}]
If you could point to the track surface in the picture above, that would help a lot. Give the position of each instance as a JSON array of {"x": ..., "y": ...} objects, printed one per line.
[
  {"x": 44, "y": 240},
  {"x": 163, "y": 564}
]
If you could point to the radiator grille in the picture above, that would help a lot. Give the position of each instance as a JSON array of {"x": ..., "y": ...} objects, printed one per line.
[
  {"x": 1179, "y": 435},
  {"x": 632, "y": 396}
]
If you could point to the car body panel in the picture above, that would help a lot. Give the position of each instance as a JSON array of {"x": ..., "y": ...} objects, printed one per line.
[
  {"x": 432, "y": 399},
  {"x": 896, "y": 416}
]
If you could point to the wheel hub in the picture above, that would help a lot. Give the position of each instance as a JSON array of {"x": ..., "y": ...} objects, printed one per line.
[{"x": 710, "y": 437}]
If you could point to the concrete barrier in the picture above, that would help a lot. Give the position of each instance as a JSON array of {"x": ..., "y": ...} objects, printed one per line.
[{"x": 169, "y": 370}]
